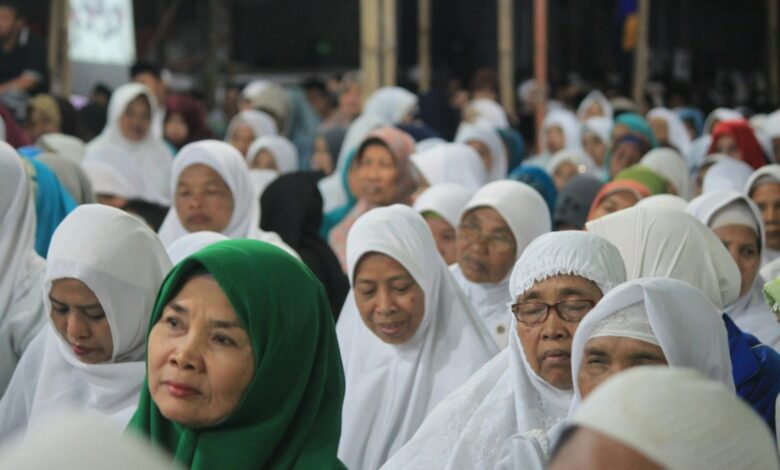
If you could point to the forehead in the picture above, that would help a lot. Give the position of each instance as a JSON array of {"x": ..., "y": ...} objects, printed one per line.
[
  {"x": 379, "y": 266},
  {"x": 621, "y": 345},
  {"x": 487, "y": 217},
  {"x": 766, "y": 190},
  {"x": 563, "y": 285},
  {"x": 200, "y": 172},
  {"x": 202, "y": 295}
]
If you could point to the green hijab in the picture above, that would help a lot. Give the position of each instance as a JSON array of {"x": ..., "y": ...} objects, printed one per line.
[
  {"x": 646, "y": 176},
  {"x": 290, "y": 414}
]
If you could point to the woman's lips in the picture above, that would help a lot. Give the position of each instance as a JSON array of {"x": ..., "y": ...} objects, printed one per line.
[
  {"x": 390, "y": 329},
  {"x": 556, "y": 356},
  {"x": 473, "y": 265},
  {"x": 80, "y": 350},
  {"x": 180, "y": 390},
  {"x": 197, "y": 219}
]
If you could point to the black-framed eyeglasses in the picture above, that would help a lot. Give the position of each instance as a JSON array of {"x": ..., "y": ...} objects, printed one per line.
[{"x": 534, "y": 312}]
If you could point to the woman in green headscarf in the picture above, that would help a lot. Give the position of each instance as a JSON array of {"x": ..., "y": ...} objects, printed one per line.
[{"x": 243, "y": 366}]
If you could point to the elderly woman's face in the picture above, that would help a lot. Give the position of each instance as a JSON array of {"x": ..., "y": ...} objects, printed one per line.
[
  {"x": 378, "y": 175},
  {"x": 200, "y": 359},
  {"x": 608, "y": 355},
  {"x": 547, "y": 341},
  {"x": 390, "y": 302},
  {"x": 743, "y": 245},
  {"x": 624, "y": 155},
  {"x": 727, "y": 145},
  {"x": 486, "y": 246},
  {"x": 203, "y": 199},
  {"x": 136, "y": 120},
  {"x": 80, "y": 320},
  {"x": 242, "y": 138}
]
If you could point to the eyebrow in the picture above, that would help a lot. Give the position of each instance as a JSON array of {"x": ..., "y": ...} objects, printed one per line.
[
  {"x": 591, "y": 351},
  {"x": 400, "y": 277},
  {"x": 80, "y": 307},
  {"x": 643, "y": 355},
  {"x": 224, "y": 324},
  {"x": 563, "y": 292}
]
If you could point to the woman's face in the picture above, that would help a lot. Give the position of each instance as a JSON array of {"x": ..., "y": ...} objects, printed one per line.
[
  {"x": 136, "y": 120},
  {"x": 391, "y": 303},
  {"x": 563, "y": 173},
  {"x": 743, "y": 245},
  {"x": 608, "y": 355},
  {"x": 378, "y": 175},
  {"x": 660, "y": 130},
  {"x": 200, "y": 359},
  {"x": 264, "y": 160},
  {"x": 767, "y": 198},
  {"x": 594, "y": 147},
  {"x": 616, "y": 201},
  {"x": 203, "y": 199},
  {"x": 728, "y": 146},
  {"x": 556, "y": 141},
  {"x": 176, "y": 130},
  {"x": 444, "y": 235},
  {"x": 321, "y": 159},
  {"x": 80, "y": 320},
  {"x": 486, "y": 247},
  {"x": 594, "y": 110},
  {"x": 483, "y": 151},
  {"x": 625, "y": 155},
  {"x": 242, "y": 137},
  {"x": 349, "y": 101}
]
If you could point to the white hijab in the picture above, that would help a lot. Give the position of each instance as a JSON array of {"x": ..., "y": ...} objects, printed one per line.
[
  {"x": 390, "y": 389},
  {"x": 578, "y": 158},
  {"x": 231, "y": 167},
  {"x": 726, "y": 173},
  {"x": 492, "y": 140},
  {"x": 750, "y": 312},
  {"x": 669, "y": 165},
  {"x": 446, "y": 200},
  {"x": 260, "y": 122},
  {"x": 676, "y": 131},
  {"x": 670, "y": 201},
  {"x": 487, "y": 111},
  {"x": 765, "y": 174},
  {"x": 284, "y": 152},
  {"x": 527, "y": 216},
  {"x": 392, "y": 104},
  {"x": 662, "y": 242},
  {"x": 567, "y": 122},
  {"x": 596, "y": 97},
  {"x": 63, "y": 145},
  {"x": 123, "y": 263},
  {"x": 468, "y": 428},
  {"x": 113, "y": 172},
  {"x": 151, "y": 156},
  {"x": 600, "y": 126},
  {"x": 451, "y": 163},
  {"x": 192, "y": 243}
]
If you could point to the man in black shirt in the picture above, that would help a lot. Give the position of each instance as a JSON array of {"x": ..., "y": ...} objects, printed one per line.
[{"x": 22, "y": 58}]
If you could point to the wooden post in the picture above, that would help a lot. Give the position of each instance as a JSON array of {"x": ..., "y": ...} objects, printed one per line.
[
  {"x": 506, "y": 54},
  {"x": 59, "y": 59},
  {"x": 540, "y": 59},
  {"x": 389, "y": 42},
  {"x": 641, "y": 53},
  {"x": 772, "y": 51},
  {"x": 369, "y": 46},
  {"x": 424, "y": 44}
]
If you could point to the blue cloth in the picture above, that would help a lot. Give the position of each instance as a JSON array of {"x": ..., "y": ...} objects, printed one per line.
[
  {"x": 52, "y": 204},
  {"x": 335, "y": 216},
  {"x": 694, "y": 116},
  {"x": 756, "y": 371},
  {"x": 515, "y": 145},
  {"x": 540, "y": 181}
]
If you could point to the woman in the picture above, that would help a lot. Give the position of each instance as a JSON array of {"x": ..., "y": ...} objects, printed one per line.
[
  {"x": 574, "y": 202},
  {"x": 596, "y": 139},
  {"x": 247, "y": 126},
  {"x": 291, "y": 206},
  {"x": 21, "y": 305},
  {"x": 102, "y": 275},
  {"x": 488, "y": 144},
  {"x": 669, "y": 130},
  {"x": 560, "y": 130},
  {"x": 440, "y": 206},
  {"x": 616, "y": 196},
  {"x": 455, "y": 163},
  {"x": 404, "y": 316},
  {"x": 185, "y": 121},
  {"x": 327, "y": 146},
  {"x": 528, "y": 385},
  {"x": 737, "y": 140},
  {"x": 130, "y": 114},
  {"x": 669, "y": 165},
  {"x": 567, "y": 164},
  {"x": 385, "y": 177},
  {"x": 212, "y": 191},
  {"x": 272, "y": 152},
  {"x": 496, "y": 226},
  {"x": 595, "y": 104},
  {"x": 394, "y": 105},
  {"x": 218, "y": 389},
  {"x": 736, "y": 221},
  {"x": 763, "y": 188}
]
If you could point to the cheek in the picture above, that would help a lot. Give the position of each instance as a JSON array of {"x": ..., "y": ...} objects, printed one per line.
[
  {"x": 529, "y": 340},
  {"x": 60, "y": 322}
]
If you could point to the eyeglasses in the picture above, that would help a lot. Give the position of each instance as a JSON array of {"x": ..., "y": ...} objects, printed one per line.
[
  {"x": 472, "y": 233},
  {"x": 534, "y": 313}
]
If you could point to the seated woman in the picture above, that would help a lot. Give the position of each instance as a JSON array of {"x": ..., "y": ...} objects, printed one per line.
[
  {"x": 596, "y": 139},
  {"x": 560, "y": 130},
  {"x": 555, "y": 283},
  {"x": 221, "y": 345},
  {"x": 212, "y": 191},
  {"x": 616, "y": 196},
  {"x": 21, "y": 304},
  {"x": 763, "y": 188},
  {"x": 185, "y": 121},
  {"x": 247, "y": 126},
  {"x": 130, "y": 114},
  {"x": 440, "y": 206},
  {"x": 102, "y": 275},
  {"x": 496, "y": 226},
  {"x": 736, "y": 139},
  {"x": 272, "y": 152},
  {"x": 669, "y": 130},
  {"x": 385, "y": 175},
  {"x": 736, "y": 221},
  {"x": 488, "y": 144},
  {"x": 404, "y": 318}
]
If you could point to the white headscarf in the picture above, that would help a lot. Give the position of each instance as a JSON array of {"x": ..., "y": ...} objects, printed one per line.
[
  {"x": 391, "y": 388},
  {"x": 670, "y": 201},
  {"x": 772, "y": 125},
  {"x": 578, "y": 158},
  {"x": 113, "y": 172},
  {"x": 669, "y": 165},
  {"x": 750, "y": 312},
  {"x": 284, "y": 152},
  {"x": 600, "y": 126},
  {"x": 492, "y": 140},
  {"x": 392, "y": 104},
  {"x": 447, "y": 200},
  {"x": 527, "y": 216},
  {"x": 568, "y": 123},
  {"x": 123, "y": 263},
  {"x": 260, "y": 122},
  {"x": 151, "y": 156},
  {"x": 468, "y": 428},
  {"x": 677, "y": 132},
  {"x": 192, "y": 243},
  {"x": 231, "y": 167},
  {"x": 63, "y": 145},
  {"x": 680, "y": 420},
  {"x": 596, "y": 97},
  {"x": 687, "y": 327},
  {"x": 765, "y": 174},
  {"x": 451, "y": 163},
  {"x": 488, "y": 112},
  {"x": 662, "y": 242},
  {"x": 727, "y": 173}
]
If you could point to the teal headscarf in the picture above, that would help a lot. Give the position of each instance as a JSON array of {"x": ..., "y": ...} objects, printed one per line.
[
  {"x": 290, "y": 414},
  {"x": 335, "y": 216},
  {"x": 638, "y": 125}
]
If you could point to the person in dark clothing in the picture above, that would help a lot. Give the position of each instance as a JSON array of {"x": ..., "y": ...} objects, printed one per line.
[{"x": 22, "y": 58}]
